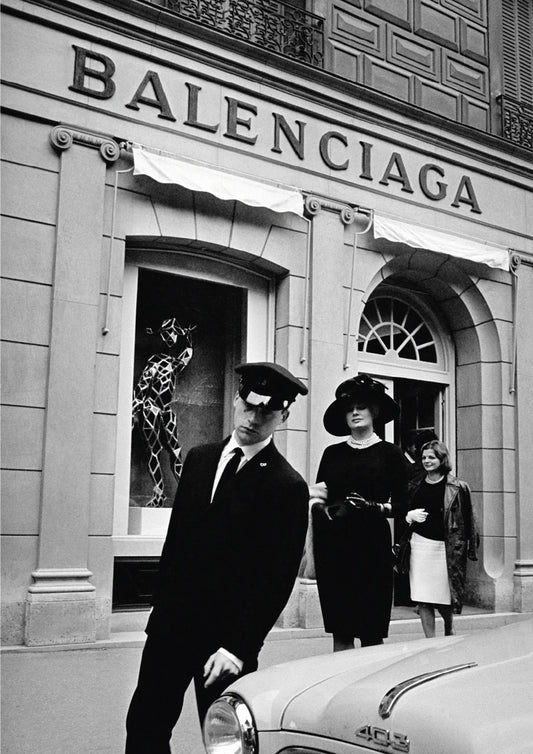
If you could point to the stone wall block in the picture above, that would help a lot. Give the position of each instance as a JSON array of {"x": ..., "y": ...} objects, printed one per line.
[
  {"x": 286, "y": 249},
  {"x": 27, "y": 250},
  {"x": 498, "y": 297},
  {"x": 134, "y": 214},
  {"x": 22, "y": 432},
  {"x": 106, "y": 383},
  {"x": 29, "y": 193},
  {"x": 467, "y": 346},
  {"x": 251, "y": 228},
  {"x": 103, "y": 443},
  {"x": 102, "y": 494},
  {"x": 23, "y": 145},
  {"x": 290, "y": 301},
  {"x": 23, "y": 374},
  {"x": 214, "y": 219},
  {"x": 174, "y": 210},
  {"x": 111, "y": 276},
  {"x": 21, "y": 499},
  {"x": 22, "y": 322}
]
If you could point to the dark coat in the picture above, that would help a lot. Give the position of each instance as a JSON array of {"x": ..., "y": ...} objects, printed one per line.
[
  {"x": 228, "y": 567},
  {"x": 460, "y": 534}
]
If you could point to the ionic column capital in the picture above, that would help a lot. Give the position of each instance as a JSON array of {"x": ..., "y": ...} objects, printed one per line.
[
  {"x": 63, "y": 137},
  {"x": 314, "y": 204}
]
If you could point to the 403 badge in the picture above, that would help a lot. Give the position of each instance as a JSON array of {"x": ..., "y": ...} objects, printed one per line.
[{"x": 383, "y": 739}]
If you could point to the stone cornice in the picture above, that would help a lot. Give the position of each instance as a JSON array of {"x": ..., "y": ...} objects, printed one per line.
[{"x": 63, "y": 137}]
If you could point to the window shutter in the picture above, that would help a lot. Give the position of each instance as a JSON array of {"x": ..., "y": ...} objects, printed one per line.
[{"x": 517, "y": 37}]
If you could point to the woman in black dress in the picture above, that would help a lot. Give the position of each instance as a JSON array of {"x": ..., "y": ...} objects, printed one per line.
[{"x": 360, "y": 482}]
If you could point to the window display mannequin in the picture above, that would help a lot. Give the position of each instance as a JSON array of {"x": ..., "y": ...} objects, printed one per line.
[{"x": 152, "y": 402}]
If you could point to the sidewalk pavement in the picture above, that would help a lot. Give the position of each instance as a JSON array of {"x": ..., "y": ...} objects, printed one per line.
[{"x": 73, "y": 700}]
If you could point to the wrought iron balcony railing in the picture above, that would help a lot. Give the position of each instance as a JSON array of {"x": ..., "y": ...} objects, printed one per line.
[
  {"x": 517, "y": 122},
  {"x": 272, "y": 25}
]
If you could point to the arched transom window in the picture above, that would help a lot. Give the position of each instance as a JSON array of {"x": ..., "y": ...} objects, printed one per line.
[{"x": 392, "y": 327}]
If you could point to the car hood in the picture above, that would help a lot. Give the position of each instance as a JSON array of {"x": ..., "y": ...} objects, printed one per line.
[{"x": 335, "y": 695}]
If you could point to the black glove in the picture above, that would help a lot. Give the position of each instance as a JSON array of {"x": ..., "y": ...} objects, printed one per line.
[
  {"x": 359, "y": 503},
  {"x": 333, "y": 512}
]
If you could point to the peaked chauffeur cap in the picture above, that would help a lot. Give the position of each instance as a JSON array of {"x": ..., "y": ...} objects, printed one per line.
[{"x": 264, "y": 383}]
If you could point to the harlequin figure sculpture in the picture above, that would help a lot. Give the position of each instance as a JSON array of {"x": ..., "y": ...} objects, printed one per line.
[{"x": 152, "y": 403}]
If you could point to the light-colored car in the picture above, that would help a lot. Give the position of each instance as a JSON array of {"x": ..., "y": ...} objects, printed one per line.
[{"x": 454, "y": 695}]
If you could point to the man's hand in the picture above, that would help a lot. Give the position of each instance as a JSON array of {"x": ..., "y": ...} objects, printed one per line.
[{"x": 217, "y": 667}]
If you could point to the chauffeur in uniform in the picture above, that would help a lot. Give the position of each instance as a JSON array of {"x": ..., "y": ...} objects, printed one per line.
[{"x": 229, "y": 562}]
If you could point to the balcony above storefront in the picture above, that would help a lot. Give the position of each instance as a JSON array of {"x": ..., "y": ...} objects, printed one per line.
[
  {"x": 280, "y": 27},
  {"x": 517, "y": 122}
]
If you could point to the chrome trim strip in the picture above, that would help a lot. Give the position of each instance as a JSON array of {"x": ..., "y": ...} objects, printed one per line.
[{"x": 393, "y": 694}]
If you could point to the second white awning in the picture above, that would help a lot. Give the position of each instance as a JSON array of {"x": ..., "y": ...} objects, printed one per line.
[
  {"x": 228, "y": 186},
  {"x": 445, "y": 243}
]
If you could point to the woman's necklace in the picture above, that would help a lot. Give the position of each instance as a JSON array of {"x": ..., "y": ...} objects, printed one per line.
[
  {"x": 434, "y": 481},
  {"x": 359, "y": 444}
]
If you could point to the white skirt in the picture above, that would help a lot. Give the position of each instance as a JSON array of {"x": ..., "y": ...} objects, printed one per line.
[{"x": 428, "y": 574}]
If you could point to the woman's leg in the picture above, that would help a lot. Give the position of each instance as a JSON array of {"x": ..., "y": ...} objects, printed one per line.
[
  {"x": 371, "y": 641},
  {"x": 447, "y": 616},
  {"x": 342, "y": 642},
  {"x": 427, "y": 616}
]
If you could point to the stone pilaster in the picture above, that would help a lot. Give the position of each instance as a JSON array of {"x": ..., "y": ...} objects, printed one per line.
[
  {"x": 326, "y": 348},
  {"x": 60, "y": 606},
  {"x": 326, "y": 316},
  {"x": 523, "y": 571}
]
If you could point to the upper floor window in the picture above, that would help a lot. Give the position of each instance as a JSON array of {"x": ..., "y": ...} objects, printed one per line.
[{"x": 517, "y": 70}]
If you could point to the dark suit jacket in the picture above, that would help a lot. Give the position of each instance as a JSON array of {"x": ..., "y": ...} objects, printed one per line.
[{"x": 228, "y": 568}]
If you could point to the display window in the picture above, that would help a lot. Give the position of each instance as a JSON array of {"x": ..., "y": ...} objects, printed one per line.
[
  {"x": 188, "y": 335},
  {"x": 187, "y": 320}
]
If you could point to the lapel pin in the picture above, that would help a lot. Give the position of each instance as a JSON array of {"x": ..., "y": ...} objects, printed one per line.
[{"x": 262, "y": 464}]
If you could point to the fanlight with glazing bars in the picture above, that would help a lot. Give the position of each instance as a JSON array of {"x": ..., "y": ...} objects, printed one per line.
[{"x": 389, "y": 326}]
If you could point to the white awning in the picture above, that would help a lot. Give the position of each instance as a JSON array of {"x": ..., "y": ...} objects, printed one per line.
[
  {"x": 224, "y": 185},
  {"x": 435, "y": 240}
]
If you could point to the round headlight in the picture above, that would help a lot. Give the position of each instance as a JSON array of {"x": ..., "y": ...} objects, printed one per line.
[{"x": 229, "y": 727}]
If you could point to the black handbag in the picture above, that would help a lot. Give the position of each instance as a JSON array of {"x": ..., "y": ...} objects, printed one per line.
[{"x": 401, "y": 553}]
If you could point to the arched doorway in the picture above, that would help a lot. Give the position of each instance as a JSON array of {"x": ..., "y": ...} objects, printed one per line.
[{"x": 403, "y": 343}]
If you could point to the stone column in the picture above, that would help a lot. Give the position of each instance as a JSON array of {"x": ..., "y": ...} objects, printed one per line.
[
  {"x": 328, "y": 277},
  {"x": 523, "y": 573},
  {"x": 60, "y": 606}
]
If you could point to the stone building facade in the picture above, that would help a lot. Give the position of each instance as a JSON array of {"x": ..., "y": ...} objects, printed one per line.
[{"x": 339, "y": 186}]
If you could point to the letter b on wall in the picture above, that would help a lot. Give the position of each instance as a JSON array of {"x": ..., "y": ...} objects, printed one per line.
[{"x": 103, "y": 74}]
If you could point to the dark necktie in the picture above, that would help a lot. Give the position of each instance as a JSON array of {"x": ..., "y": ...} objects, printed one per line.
[{"x": 229, "y": 472}]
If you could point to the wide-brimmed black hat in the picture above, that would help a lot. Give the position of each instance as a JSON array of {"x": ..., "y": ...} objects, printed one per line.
[
  {"x": 363, "y": 388},
  {"x": 267, "y": 384}
]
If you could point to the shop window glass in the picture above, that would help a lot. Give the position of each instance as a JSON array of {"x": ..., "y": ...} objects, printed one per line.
[
  {"x": 391, "y": 326},
  {"x": 189, "y": 336}
]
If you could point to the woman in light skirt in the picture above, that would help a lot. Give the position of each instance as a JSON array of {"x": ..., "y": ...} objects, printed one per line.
[{"x": 443, "y": 537}]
